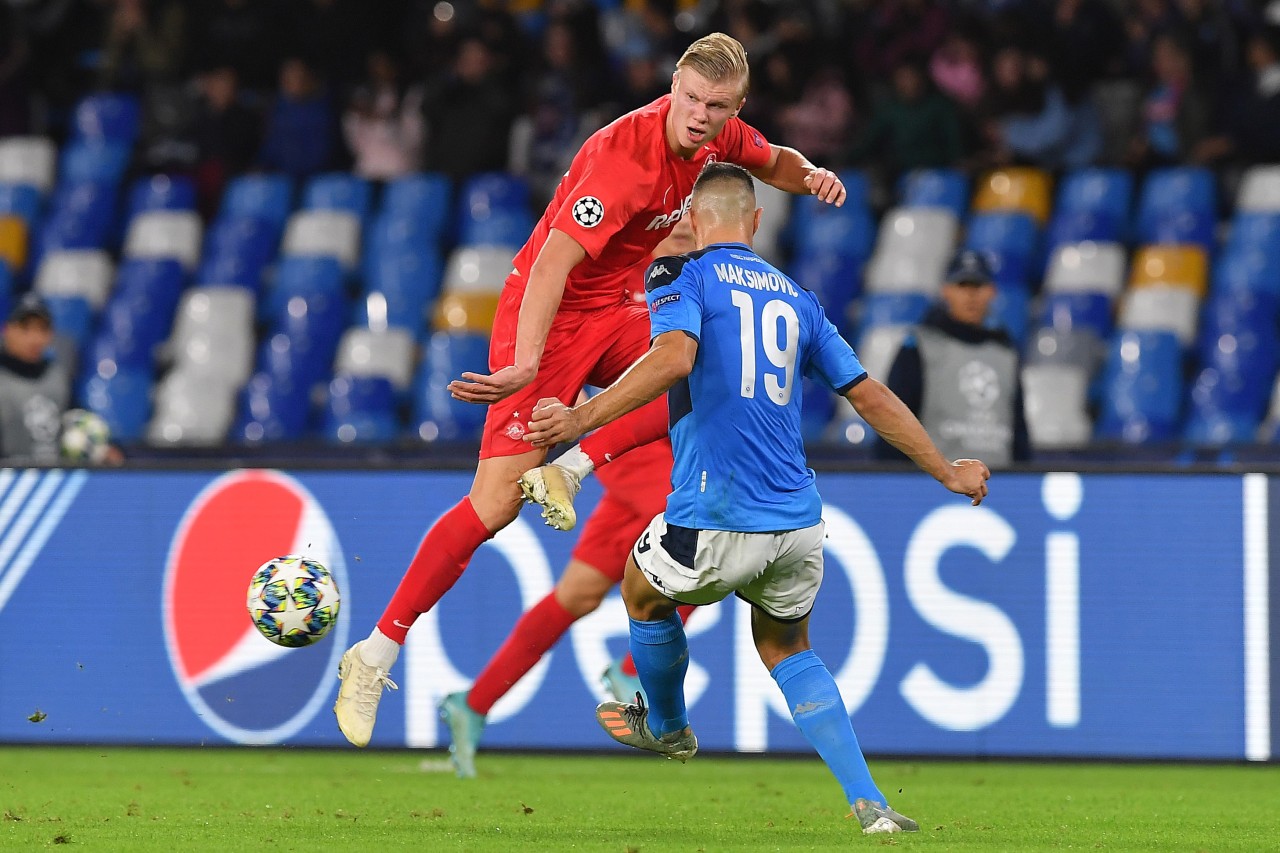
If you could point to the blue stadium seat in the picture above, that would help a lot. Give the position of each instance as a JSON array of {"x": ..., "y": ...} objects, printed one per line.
[
  {"x": 304, "y": 275},
  {"x": 121, "y": 396},
  {"x": 410, "y": 281},
  {"x": 1105, "y": 193},
  {"x": 1178, "y": 205},
  {"x": 80, "y": 217},
  {"x": 72, "y": 316},
  {"x": 1210, "y": 427},
  {"x": 304, "y": 334},
  {"x": 395, "y": 233},
  {"x": 1142, "y": 388},
  {"x": 1082, "y": 226},
  {"x": 270, "y": 409},
  {"x": 361, "y": 409},
  {"x": 945, "y": 188},
  {"x": 302, "y": 361},
  {"x": 892, "y": 309},
  {"x": 1254, "y": 231},
  {"x": 6, "y": 290},
  {"x": 1070, "y": 312},
  {"x": 1011, "y": 270},
  {"x": 93, "y": 162},
  {"x": 805, "y": 207},
  {"x": 265, "y": 197},
  {"x": 22, "y": 200},
  {"x": 1004, "y": 234},
  {"x": 161, "y": 192},
  {"x": 424, "y": 199},
  {"x": 1249, "y": 270},
  {"x": 834, "y": 278},
  {"x": 831, "y": 249},
  {"x": 493, "y": 209},
  {"x": 436, "y": 415},
  {"x": 237, "y": 251},
  {"x": 107, "y": 116},
  {"x": 1239, "y": 351},
  {"x": 139, "y": 315},
  {"x": 339, "y": 191},
  {"x": 1010, "y": 310}
]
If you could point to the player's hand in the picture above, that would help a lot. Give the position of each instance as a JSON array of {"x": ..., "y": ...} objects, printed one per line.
[
  {"x": 490, "y": 388},
  {"x": 968, "y": 477},
  {"x": 551, "y": 423},
  {"x": 826, "y": 185}
]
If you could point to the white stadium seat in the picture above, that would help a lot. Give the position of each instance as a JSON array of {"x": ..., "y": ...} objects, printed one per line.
[
  {"x": 165, "y": 234},
  {"x": 28, "y": 160},
  {"x": 1086, "y": 268},
  {"x": 478, "y": 269},
  {"x": 776, "y": 205},
  {"x": 213, "y": 334},
  {"x": 909, "y": 273},
  {"x": 878, "y": 347},
  {"x": 1055, "y": 398},
  {"x": 333, "y": 233},
  {"x": 918, "y": 231},
  {"x": 1260, "y": 190},
  {"x": 191, "y": 410},
  {"x": 1161, "y": 307},
  {"x": 387, "y": 353},
  {"x": 76, "y": 272}
]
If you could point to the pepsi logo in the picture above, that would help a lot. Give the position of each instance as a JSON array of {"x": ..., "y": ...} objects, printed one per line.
[{"x": 244, "y": 687}]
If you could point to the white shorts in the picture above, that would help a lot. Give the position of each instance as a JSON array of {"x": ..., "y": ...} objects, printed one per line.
[{"x": 778, "y": 572}]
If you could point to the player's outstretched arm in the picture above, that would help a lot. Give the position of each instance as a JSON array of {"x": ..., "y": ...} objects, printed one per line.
[
  {"x": 896, "y": 424},
  {"x": 542, "y": 295},
  {"x": 669, "y": 360},
  {"x": 791, "y": 171}
]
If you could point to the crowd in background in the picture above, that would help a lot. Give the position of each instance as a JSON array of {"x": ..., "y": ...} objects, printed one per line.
[{"x": 463, "y": 86}]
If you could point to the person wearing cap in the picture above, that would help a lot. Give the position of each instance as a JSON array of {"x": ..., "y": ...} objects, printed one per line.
[
  {"x": 961, "y": 378},
  {"x": 34, "y": 388}
]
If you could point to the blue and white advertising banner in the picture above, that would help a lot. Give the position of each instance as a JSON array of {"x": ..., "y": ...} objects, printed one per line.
[{"x": 1089, "y": 615}]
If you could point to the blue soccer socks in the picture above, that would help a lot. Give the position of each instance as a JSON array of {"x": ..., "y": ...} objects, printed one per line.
[
  {"x": 815, "y": 704},
  {"x": 661, "y": 652}
]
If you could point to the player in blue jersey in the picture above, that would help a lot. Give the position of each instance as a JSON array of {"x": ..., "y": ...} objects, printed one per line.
[{"x": 731, "y": 336}]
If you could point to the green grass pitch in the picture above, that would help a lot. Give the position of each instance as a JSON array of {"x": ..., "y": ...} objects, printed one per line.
[{"x": 284, "y": 800}]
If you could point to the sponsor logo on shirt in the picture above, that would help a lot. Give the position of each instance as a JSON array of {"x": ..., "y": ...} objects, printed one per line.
[
  {"x": 663, "y": 300},
  {"x": 668, "y": 220},
  {"x": 588, "y": 211},
  {"x": 660, "y": 269}
]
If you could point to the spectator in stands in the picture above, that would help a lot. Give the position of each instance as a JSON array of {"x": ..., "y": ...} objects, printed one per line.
[
  {"x": 894, "y": 32},
  {"x": 1029, "y": 119},
  {"x": 226, "y": 134},
  {"x": 301, "y": 137},
  {"x": 916, "y": 127},
  {"x": 1248, "y": 127},
  {"x": 34, "y": 388},
  {"x": 819, "y": 122},
  {"x": 957, "y": 69},
  {"x": 145, "y": 44},
  {"x": 383, "y": 122},
  {"x": 240, "y": 34},
  {"x": 960, "y": 378},
  {"x": 1175, "y": 112},
  {"x": 544, "y": 140},
  {"x": 469, "y": 115}
]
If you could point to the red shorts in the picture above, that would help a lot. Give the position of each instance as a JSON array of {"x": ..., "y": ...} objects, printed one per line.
[
  {"x": 635, "y": 490},
  {"x": 590, "y": 347}
]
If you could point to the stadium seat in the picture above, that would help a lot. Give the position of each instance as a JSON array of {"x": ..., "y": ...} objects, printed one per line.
[
  {"x": 72, "y": 316},
  {"x": 152, "y": 287},
  {"x": 1260, "y": 190},
  {"x": 339, "y": 191},
  {"x": 493, "y": 210},
  {"x": 76, "y": 272},
  {"x": 303, "y": 275},
  {"x": 237, "y": 251},
  {"x": 1055, "y": 403},
  {"x": 191, "y": 410},
  {"x": 387, "y": 353},
  {"x": 107, "y": 116},
  {"x": 324, "y": 232},
  {"x": 1082, "y": 227},
  {"x": 944, "y": 188},
  {"x": 917, "y": 231},
  {"x": 1086, "y": 268},
  {"x": 161, "y": 192},
  {"x": 776, "y": 207},
  {"x": 1015, "y": 189},
  {"x": 846, "y": 231},
  {"x": 213, "y": 334},
  {"x": 848, "y": 428},
  {"x": 23, "y": 201},
  {"x": 409, "y": 280},
  {"x": 80, "y": 217},
  {"x": 93, "y": 162},
  {"x": 1010, "y": 311},
  {"x": 478, "y": 269},
  {"x": 1178, "y": 205},
  {"x": 805, "y": 207},
  {"x": 13, "y": 242},
  {"x": 835, "y": 278},
  {"x": 28, "y": 161},
  {"x": 1079, "y": 348},
  {"x": 122, "y": 396},
  {"x": 1105, "y": 193},
  {"x": 1254, "y": 231},
  {"x": 424, "y": 199},
  {"x": 1078, "y": 311},
  {"x": 1143, "y": 386},
  {"x": 465, "y": 312},
  {"x": 892, "y": 309},
  {"x": 1173, "y": 266},
  {"x": 905, "y": 273},
  {"x": 1161, "y": 307},
  {"x": 165, "y": 234},
  {"x": 1010, "y": 236},
  {"x": 6, "y": 290},
  {"x": 361, "y": 409},
  {"x": 269, "y": 410},
  {"x": 264, "y": 197},
  {"x": 437, "y": 415},
  {"x": 300, "y": 356},
  {"x": 878, "y": 346},
  {"x": 1250, "y": 270},
  {"x": 1208, "y": 427}
]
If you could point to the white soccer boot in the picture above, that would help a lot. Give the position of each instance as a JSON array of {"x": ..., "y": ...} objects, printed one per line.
[
  {"x": 359, "y": 695},
  {"x": 553, "y": 488},
  {"x": 876, "y": 818}
]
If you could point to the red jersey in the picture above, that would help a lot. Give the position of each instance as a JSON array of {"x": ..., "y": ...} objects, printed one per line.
[{"x": 625, "y": 190}]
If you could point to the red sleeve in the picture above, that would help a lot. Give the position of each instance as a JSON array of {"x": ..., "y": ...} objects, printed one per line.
[
  {"x": 744, "y": 145},
  {"x": 607, "y": 196}
]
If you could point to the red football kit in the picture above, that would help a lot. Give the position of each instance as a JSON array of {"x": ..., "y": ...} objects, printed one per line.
[{"x": 624, "y": 192}]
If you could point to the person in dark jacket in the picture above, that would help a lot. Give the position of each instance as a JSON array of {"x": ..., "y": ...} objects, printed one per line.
[
  {"x": 961, "y": 378},
  {"x": 34, "y": 388}
]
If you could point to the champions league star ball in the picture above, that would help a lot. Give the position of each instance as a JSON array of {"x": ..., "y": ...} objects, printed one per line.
[
  {"x": 85, "y": 437},
  {"x": 293, "y": 601}
]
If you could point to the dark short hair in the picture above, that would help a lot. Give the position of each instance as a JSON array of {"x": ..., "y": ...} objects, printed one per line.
[{"x": 717, "y": 171}]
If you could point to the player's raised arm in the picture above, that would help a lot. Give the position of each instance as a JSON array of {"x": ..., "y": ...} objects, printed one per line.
[
  {"x": 791, "y": 171},
  {"x": 895, "y": 423},
  {"x": 542, "y": 295}
]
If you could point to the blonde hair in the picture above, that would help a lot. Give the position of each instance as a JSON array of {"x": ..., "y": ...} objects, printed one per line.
[{"x": 718, "y": 57}]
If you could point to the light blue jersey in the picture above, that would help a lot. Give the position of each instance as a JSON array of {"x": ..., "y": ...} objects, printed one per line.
[{"x": 735, "y": 420}]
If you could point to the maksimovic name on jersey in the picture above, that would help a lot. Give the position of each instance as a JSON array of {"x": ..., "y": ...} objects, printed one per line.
[{"x": 754, "y": 279}]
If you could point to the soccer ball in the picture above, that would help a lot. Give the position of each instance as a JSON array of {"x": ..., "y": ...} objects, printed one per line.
[
  {"x": 293, "y": 601},
  {"x": 85, "y": 437}
]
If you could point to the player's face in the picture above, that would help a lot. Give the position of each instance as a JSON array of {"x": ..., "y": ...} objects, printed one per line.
[{"x": 700, "y": 109}]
